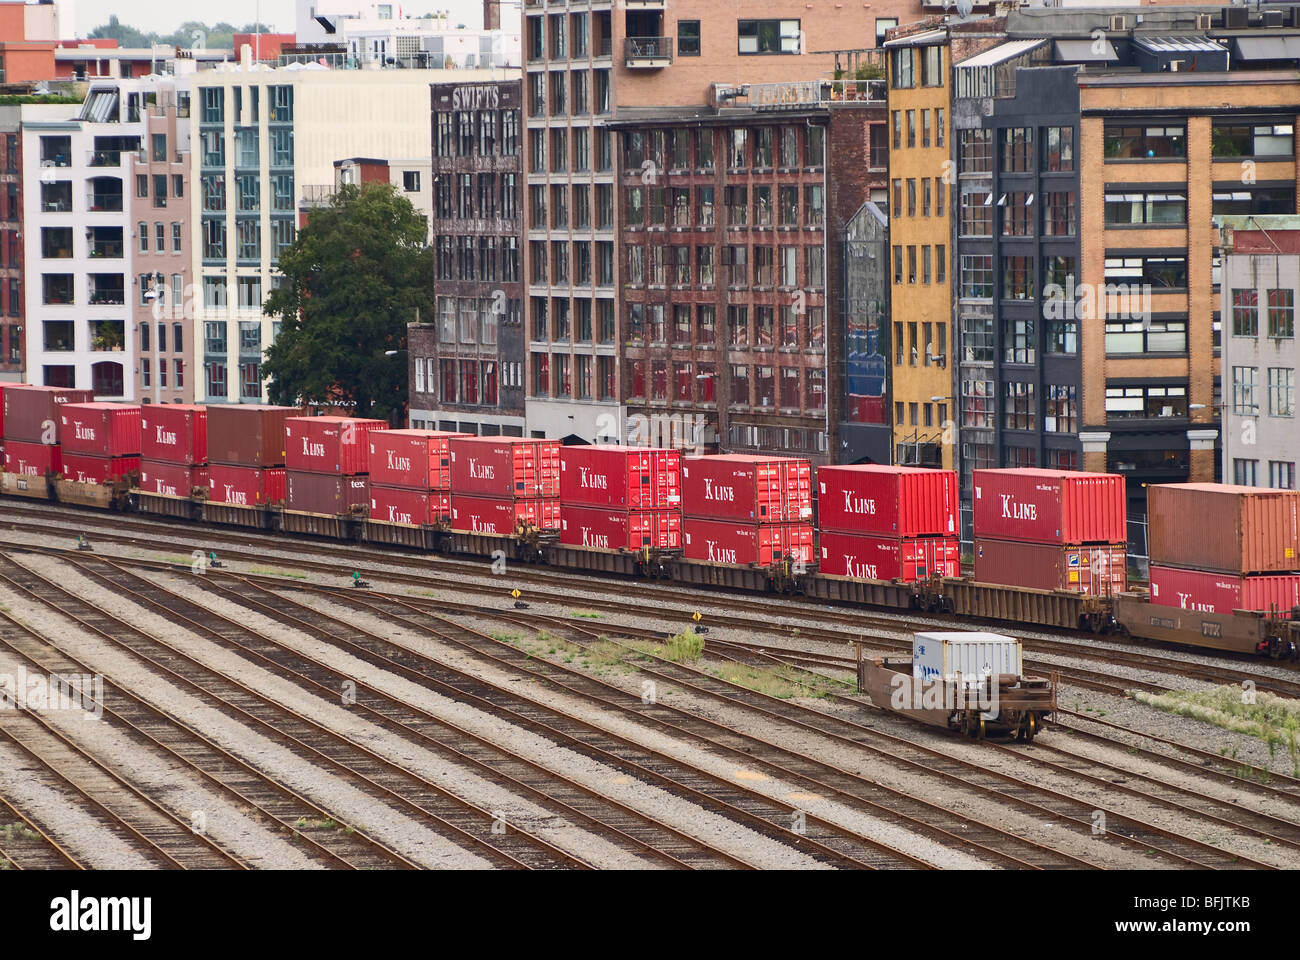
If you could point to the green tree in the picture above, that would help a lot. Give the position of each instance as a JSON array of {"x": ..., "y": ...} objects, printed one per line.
[{"x": 356, "y": 275}]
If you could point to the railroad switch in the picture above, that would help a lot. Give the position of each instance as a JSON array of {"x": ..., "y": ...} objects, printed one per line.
[
  {"x": 358, "y": 582},
  {"x": 213, "y": 561},
  {"x": 83, "y": 543}
]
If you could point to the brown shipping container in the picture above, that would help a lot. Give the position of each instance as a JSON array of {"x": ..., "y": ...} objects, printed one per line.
[
  {"x": 327, "y": 494},
  {"x": 1096, "y": 570},
  {"x": 32, "y": 412},
  {"x": 246, "y": 434},
  {"x": 174, "y": 433},
  {"x": 1224, "y": 528}
]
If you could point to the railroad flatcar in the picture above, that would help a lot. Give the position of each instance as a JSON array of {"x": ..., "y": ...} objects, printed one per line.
[{"x": 1128, "y": 614}]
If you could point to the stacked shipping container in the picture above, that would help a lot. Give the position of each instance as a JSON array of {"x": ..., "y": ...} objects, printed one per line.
[
  {"x": 503, "y": 481},
  {"x": 101, "y": 441},
  {"x": 33, "y": 427},
  {"x": 740, "y": 509},
  {"x": 410, "y": 476},
  {"x": 1051, "y": 530},
  {"x": 887, "y": 523},
  {"x": 327, "y": 464},
  {"x": 173, "y": 449},
  {"x": 620, "y": 498},
  {"x": 246, "y": 454},
  {"x": 1217, "y": 547}
]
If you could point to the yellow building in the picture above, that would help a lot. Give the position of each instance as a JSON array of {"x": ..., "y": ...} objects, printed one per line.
[{"x": 921, "y": 248}]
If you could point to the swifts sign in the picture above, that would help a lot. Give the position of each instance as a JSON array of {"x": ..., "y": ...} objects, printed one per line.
[{"x": 481, "y": 97}]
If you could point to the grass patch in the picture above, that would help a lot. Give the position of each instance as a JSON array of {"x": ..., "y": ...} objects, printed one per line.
[
  {"x": 178, "y": 561},
  {"x": 683, "y": 647},
  {"x": 587, "y": 614},
  {"x": 303, "y": 823},
  {"x": 276, "y": 572},
  {"x": 783, "y": 682},
  {"x": 511, "y": 638},
  {"x": 1273, "y": 719}
]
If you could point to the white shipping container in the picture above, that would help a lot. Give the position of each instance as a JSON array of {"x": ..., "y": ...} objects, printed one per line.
[{"x": 973, "y": 654}]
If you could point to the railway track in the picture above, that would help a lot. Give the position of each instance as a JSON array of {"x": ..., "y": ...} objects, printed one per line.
[
  {"x": 812, "y": 775},
  {"x": 385, "y": 781},
  {"x": 274, "y": 805},
  {"x": 24, "y": 845},
  {"x": 652, "y": 595}
]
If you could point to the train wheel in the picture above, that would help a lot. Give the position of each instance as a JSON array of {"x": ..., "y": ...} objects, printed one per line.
[
  {"x": 1031, "y": 727},
  {"x": 980, "y": 734}
]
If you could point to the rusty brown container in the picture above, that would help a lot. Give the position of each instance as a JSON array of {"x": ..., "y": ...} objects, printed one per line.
[
  {"x": 247, "y": 435},
  {"x": 1223, "y": 528}
]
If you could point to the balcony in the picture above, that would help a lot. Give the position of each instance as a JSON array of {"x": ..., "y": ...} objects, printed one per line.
[
  {"x": 645, "y": 4},
  {"x": 101, "y": 202},
  {"x": 104, "y": 158},
  {"x": 648, "y": 53},
  {"x": 107, "y": 289}
]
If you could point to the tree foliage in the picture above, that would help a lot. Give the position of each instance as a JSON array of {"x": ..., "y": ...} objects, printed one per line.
[
  {"x": 218, "y": 36},
  {"x": 355, "y": 276}
]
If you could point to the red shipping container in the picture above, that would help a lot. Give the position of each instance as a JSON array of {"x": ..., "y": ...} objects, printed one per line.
[
  {"x": 741, "y": 544},
  {"x": 498, "y": 467},
  {"x": 415, "y": 459},
  {"x": 897, "y": 501},
  {"x": 326, "y": 494},
  {"x": 1099, "y": 570},
  {"x": 1050, "y": 506},
  {"x": 32, "y": 412},
  {"x": 499, "y": 516},
  {"x": 171, "y": 479},
  {"x": 600, "y": 528},
  {"x": 174, "y": 433},
  {"x": 409, "y": 507},
  {"x": 634, "y": 478},
  {"x": 329, "y": 444},
  {"x": 248, "y": 435},
  {"x": 245, "y": 486},
  {"x": 866, "y": 557},
  {"x": 89, "y": 468},
  {"x": 32, "y": 459},
  {"x": 742, "y": 487},
  {"x": 101, "y": 429},
  {"x": 1224, "y": 527},
  {"x": 1208, "y": 592}
]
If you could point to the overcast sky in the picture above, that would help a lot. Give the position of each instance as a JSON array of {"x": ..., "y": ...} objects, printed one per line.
[{"x": 164, "y": 16}]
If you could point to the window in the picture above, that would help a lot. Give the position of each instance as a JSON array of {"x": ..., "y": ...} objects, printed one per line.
[
  {"x": 1019, "y": 344},
  {"x": 975, "y": 151},
  {"x": 767, "y": 36},
  {"x": 1244, "y": 472},
  {"x": 1146, "y": 336},
  {"x": 1017, "y": 147},
  {"x": 1060, "y": 217},
  {"x": 1281, "y": 391},
  {"x": 1281, "y": 475},
  {"x": 903, "y": 64},
  {"x": 1058, "y": 149},
  {"x": 976, "y": 214},
  {"x": 911, "y": 128},
  {"x": 1019, "y": 410},
  {"x": 1017, "y": 278},
  {"x": 977, "y": 401},
  {"x": 1281, "y": 314},
  {"x": 1142, "y": 402},
  {"x": 688, "y": 38},
  {"x": 176, "y": 238},
  {"x": 1164, "y": 273},
  {"x": 411, "y": 181},
  {"x": 1263, "y": 138},
  {"x": 1017, "y": 214},
  {"x": 1132, "y": 142},
  {"x": 1124, "y": 209}
]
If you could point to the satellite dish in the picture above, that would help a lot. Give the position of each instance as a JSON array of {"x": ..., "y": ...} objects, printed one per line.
[{"x": 964, "y": 7}]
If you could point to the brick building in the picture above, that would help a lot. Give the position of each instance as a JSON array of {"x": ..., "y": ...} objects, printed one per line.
[
  {"x": 587, "y": 64},
  {"x": 732, "y": 324},
  {"x": 467, "y": 365}
]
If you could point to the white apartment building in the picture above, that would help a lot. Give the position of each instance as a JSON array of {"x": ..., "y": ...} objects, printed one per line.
[
  {"x": 381, "y": 33},
  {"x": 77, "y": 239},
  {"x": 265, "y": 143}
]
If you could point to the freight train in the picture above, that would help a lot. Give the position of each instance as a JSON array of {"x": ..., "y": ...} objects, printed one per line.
[
  {"x": 1125, "y": 614},
  {"x": 730, "y": 522}
]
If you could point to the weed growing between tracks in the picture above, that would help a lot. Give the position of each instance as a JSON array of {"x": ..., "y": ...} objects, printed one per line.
[
  {"x": 1273, "y": 719},
  {"x": 275, "y": 572},
  {"x": 783, "y": 682}
]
